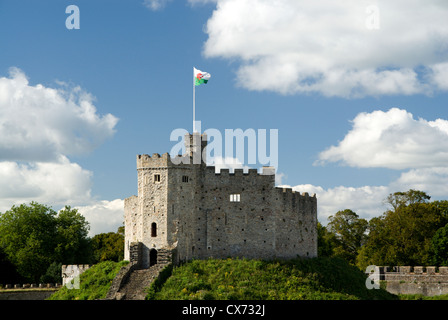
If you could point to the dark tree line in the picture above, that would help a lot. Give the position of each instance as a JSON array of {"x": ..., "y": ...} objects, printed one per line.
[{"x": 414, "y": 231}]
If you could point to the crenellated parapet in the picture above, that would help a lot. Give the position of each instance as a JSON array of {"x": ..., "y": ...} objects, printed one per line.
[
  {"x": 72, "y": 271},
  {"x": 156, "y": 160},
  {"x": 289, "y": 193},
  {"x": 413, "y": 271},
  {"x": 266, "y": 171},
  {"x": 427, "y": 281}
]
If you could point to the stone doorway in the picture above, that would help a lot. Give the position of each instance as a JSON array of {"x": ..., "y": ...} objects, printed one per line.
[{"x": 152, "y": 257}]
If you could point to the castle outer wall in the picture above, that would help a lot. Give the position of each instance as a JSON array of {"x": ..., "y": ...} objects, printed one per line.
[{"x": 197, "y": 213}]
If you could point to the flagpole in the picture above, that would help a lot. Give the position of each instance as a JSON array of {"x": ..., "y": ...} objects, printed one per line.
[{"x": 194, "y": 103}]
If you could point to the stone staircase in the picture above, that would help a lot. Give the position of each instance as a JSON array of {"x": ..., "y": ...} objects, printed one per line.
[{"x": 137, "y": 283}]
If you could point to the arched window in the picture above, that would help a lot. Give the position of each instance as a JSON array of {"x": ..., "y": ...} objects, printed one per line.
[{"x": 153, "y": 229}]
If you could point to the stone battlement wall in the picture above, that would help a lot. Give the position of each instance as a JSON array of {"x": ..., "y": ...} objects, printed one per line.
[
  {"x": 71, "y": 271},
  {"x": 412, "y": 270},
  {"x": 427, "y": 281}
]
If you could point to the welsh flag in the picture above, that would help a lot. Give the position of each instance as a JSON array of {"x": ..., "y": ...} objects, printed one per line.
[{"x": 200, "y": 77}]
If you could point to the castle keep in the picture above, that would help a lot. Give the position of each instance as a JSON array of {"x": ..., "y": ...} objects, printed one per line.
[{"x": 186, "y": 211}]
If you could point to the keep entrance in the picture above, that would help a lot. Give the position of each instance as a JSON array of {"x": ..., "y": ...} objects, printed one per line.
[{"x": 152, "y": 257}]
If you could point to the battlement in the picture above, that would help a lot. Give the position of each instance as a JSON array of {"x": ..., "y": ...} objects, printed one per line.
[
  {"x": 78, "y": 266},
  {"x": 290, "y": 192},
  {"x": 145, "y": 160},
  {"x": 71, "y": 271},
  {"x": 427, "y": 281},
  {"x": 413, "y": 270},
  {"x": 266, "y": 171}
]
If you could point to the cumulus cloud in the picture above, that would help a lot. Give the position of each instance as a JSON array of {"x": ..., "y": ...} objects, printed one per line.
[
  {"x": 391, "y": 139},
  {"x": 434, "y": 181},
  {"x": 328, "y": 47},
  {"x": 39, "y": 128},
  {"x": 366, "y": 201},
  {"x": 56, "y": 183},
  {"x": 39, "y": 123},
  {"x": 369, "y": 201},
  {"x": 103, "y": 216}
]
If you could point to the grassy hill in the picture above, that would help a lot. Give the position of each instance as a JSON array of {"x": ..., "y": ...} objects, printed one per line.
[
  {"x": 239, "y": 279},
  {"x": 94, "y": 282},
  {"x": 311, "y": 279}
]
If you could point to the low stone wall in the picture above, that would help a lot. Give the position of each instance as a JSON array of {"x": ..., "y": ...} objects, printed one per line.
[
  {"x": 26, "y": 294},
  {"x": 427, "y": 281}
]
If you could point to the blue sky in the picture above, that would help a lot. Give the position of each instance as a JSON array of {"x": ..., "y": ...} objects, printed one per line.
[{"x": 360, "y": 107}]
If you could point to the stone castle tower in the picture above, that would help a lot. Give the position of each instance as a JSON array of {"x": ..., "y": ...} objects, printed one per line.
[{"x": 186, "y": 211}]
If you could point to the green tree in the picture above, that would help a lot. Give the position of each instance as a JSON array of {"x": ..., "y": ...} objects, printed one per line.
[
  {"x": 325, "y": 241},
  {"x": 27, "y": 236},
  {"x": 409, "y": 197},
  {"x": 402, "y": 236},
  {"x": 109, "y": 246},
  {"x": 34, "y": 236},
  {"x": 349, "y": 232},
  {"x": 53, "y": 274},
  {"x": 72, "y": 244},
  {"x": 439, "y": 247}
]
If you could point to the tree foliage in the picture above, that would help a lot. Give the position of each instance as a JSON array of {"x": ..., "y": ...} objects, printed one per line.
[
  {"x": 403, "y": 235},
  {"x": 109, "y": 246},
  {"x": 34, "y": 236},
  {"x": 348, "y": 234},
  {"x": 439, "y": 247}
]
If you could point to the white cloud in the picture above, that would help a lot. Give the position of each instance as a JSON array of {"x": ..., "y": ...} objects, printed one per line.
[
  {"x": 440, "y": 78},
  {"x": 155, "y": 4},
  {"x": 57, "y": 183},
  {"x": 366, "y": 201},
  {"x": 369, "y": 201},
  {"x": 392, "y": 139},
  {"x": 39, "y": 123},
  {"x": 103, "y": 216},
  {"x": 434, "y": 181},
  {"x": 294, "y": 46},
  {"x": 39, "y": 128}
]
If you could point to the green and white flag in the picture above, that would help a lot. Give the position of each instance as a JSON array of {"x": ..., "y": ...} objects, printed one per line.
[{"x": 200, "y": 77}]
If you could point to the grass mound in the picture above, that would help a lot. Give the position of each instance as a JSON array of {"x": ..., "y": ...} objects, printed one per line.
[
  {"x": 94, "y": 282},
  {"x": 242, "y": 279}
]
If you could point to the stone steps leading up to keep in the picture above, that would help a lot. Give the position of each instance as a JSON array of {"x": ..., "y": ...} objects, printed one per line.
[{"x": 137, "y": 283}]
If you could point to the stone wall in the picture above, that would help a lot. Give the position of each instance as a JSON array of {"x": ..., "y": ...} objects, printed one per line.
[
  {"x": 265, "y": 223},
  {"x": 26, "y": 294},
  {"x": 72, "y": 272},
  {"x": 427, "y": 281},
  {"x": 190, "y": 207}
]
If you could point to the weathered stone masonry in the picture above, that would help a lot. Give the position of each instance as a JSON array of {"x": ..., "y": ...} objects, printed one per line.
[
  {"x": 190, "y": 211},
  {"x": 427, "y": 281}
]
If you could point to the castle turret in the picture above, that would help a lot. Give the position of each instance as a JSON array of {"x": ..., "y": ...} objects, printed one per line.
[{"x": 196, "y": 145}]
